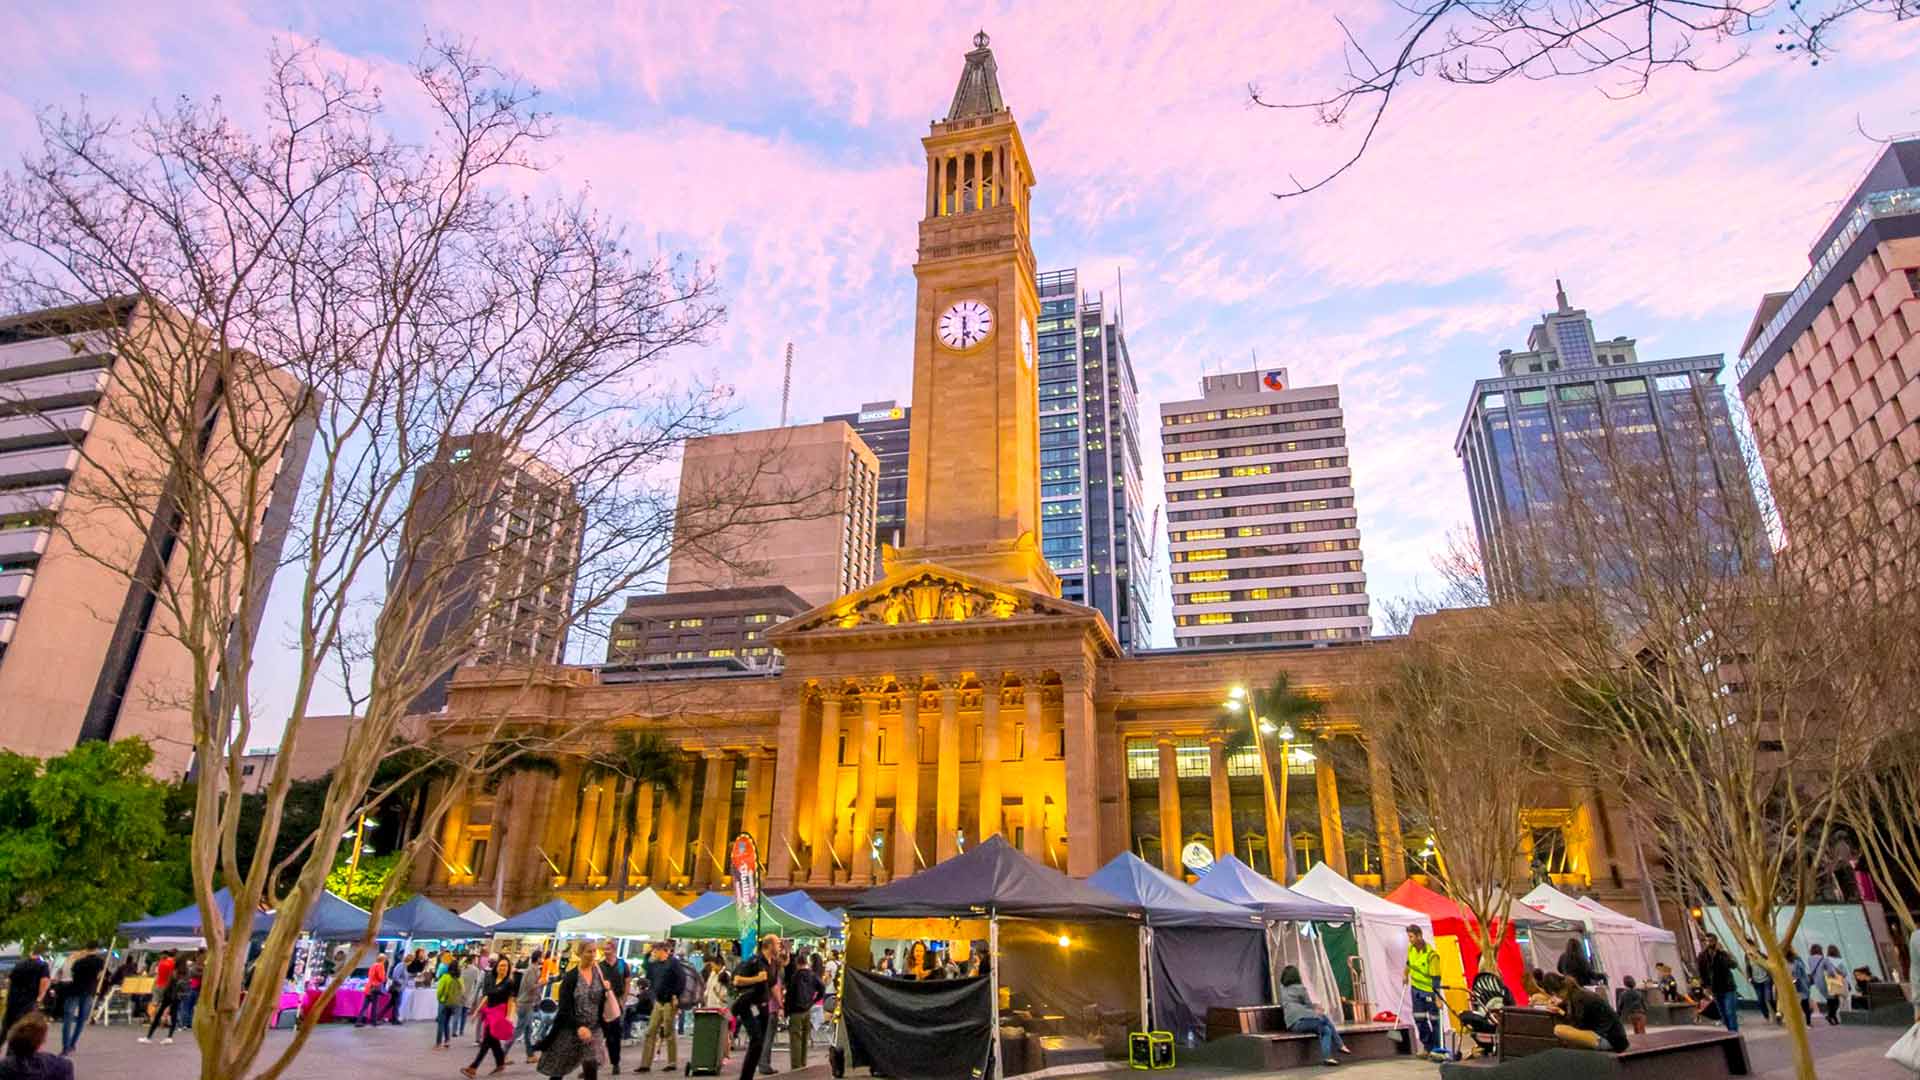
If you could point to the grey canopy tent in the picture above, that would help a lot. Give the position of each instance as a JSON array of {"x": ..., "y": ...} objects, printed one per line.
[
  {"x": 543, "y": 920},
  {"x": 185, "y": 923},
  {"x": 1196, "y": 952},
  {"x": 800, "y": 905},
  {"x": 334, "y": 919},
  {"x": 706, "y": 904},
  {"x": 1292, "y": 937},
  {"x": 422, "y": 918},
  {"x": 1065, "y": 953}
]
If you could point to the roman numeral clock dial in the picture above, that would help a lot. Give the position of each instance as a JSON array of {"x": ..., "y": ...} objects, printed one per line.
[{"x": 965, "y": 325}]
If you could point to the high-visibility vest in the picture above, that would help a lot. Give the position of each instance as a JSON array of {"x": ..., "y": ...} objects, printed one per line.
[{"x": 1423, "y": 968}]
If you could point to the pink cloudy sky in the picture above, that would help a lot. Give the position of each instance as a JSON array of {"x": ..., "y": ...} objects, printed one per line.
[{"x": 781, "y": 144}]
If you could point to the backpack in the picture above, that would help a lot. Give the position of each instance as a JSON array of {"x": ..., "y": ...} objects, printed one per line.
[{"x": 690, "y": 985}]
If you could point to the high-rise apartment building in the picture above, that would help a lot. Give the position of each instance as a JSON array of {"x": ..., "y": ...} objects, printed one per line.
[
  {"x": 1260, "y": 519},
  {"x": 792, "y": 506},
  {"x": 510, "y": 591},
  {"x": 1830, "y": 372},
  {"x": 1545, "y": 443},
  {"x": 715, "y": 630},
  {"x": 77, "y": 661},
  {"x": 886, "y": 427},
  {"x": 1093, "y": 528}
]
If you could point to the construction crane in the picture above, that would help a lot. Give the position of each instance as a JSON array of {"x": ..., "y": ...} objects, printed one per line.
[{"x": 786, "y": 386}]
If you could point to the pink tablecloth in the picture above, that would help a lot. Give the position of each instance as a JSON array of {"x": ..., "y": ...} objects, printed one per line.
[{"x": 346, "y": 1003}]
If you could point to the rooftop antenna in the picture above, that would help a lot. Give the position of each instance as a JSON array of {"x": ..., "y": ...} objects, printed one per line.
[
  {"x": 786, "y": 386},
  {"x": 1120, "y": 287}
]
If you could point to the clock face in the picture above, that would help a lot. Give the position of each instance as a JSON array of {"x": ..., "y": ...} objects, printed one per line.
[
  {"x": 1026, "y": 342},
  {"x": 966, "y": 324}
]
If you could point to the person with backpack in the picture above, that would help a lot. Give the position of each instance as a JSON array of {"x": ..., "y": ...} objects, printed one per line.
[
  {"x": 449, "y": 995},
  {"x": 667, "y": 986},
  {"x": 533, "y": 987},
  {"x": 803, "y": 992}
]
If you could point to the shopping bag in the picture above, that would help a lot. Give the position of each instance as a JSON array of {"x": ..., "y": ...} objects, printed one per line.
[{"x": 1907, "y": 1050}]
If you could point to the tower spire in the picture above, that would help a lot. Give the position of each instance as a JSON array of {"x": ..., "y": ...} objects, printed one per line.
[
  {"x": 979, "y": 91},
  {"x": 1560, "y": 295}
]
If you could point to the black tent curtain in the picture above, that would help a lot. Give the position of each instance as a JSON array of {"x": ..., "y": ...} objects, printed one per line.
[
  {"x": 1196, "y": 968},
  {"x": 940, "y": 1029},
  {"x": 1088, "y": 988}
]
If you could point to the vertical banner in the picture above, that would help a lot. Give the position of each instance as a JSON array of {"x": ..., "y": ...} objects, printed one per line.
[{"x": 744, "y": 860}]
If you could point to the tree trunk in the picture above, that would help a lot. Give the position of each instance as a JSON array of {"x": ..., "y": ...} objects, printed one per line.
[
  {"x": 629, "y": 808},
  {"x": 1789, "y": 995}
]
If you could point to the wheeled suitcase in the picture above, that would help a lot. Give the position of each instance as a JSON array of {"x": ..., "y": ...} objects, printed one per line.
[{"x": 709, "y": 1042}]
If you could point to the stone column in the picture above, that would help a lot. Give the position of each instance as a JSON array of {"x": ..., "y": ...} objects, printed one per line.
[
  {"x": 1333, "y": 835},
  {"x": 1170, "y": 834},
  {"x": 933, "y": 187},
  {"x": 638, "y": 869},
  {"x": 783, "y": 840},
  {"x": 496, "y": 830},
  {"x": 1386, "y": 817},
  {"x": 757, "y": 818},
  {"x": 947, "y": 773},
  {"x": 906, "y": 784},
  {"x": 679, "y": 862},
  {"x": 990, "y": 807},
  {"x": 1220, "y": 794},
  {"x": 716, "y": 796},
  {"x": 866, "y": 775},
  {"x": 561, "y": 823},
  {"x": 826, "y": 799},
  {"x": 453, "y": 828},
  {"x": 600, "y": 856},
  {"x": 1082, "y": 766},
  {"x": 580, "y": 851},
  {"x": 1033, "y": 794}
]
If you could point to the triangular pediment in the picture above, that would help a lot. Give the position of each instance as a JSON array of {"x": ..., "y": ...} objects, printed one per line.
[{"x": 927, "y": 595}]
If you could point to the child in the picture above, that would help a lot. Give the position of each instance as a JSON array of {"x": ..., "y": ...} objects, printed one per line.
[{"x": 1633, "y": 1007}]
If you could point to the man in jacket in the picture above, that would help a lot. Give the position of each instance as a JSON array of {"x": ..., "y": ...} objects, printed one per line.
[
  {"x": 665, "y": 982},
  {"x": 1423, "y": 979},
  {"x": 1716, "y": 971},
  {"x": 803, "y": 992},
  {"x": 614, "y": 968}
]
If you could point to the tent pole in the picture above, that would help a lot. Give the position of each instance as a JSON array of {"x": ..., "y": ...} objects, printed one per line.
[
  {"x": 1146, "y": 977},
  {"x": 993, "y": 989}
]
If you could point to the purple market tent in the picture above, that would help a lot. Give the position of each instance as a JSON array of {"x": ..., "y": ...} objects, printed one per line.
[
  {"x": 1292, "y": 938},
  {"x": 1196, "y": 952},
  {"x": 1065, "y": 953}
]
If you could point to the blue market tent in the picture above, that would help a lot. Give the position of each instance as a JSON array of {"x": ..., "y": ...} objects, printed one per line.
[
  {"x": 1235, "y": 882},
  {"x": 334, "y": 919},
  {"x": 544, "y": 919},
  {"x": 1201, "y": 952},
  {"x": 801, "y": 906},
  {"x": 186, "y": 922},
  {"x": 422, "y": 918},
  {"x": 707, "y": 904}
]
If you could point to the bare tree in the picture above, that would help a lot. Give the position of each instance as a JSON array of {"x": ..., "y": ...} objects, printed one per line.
[
  {"x": 301, "y": 322},
  {"x": 1731, "y": 688},
  {"x": 1622, "y": 45}
]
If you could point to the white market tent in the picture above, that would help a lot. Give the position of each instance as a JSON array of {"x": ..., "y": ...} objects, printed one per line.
[
  {"x": 1380, "y": 930},
  {"x": 1656, "y": 945},
  {"x": 642, "y": 915},
  {"x": 1614, "y": 939},
  {"x": 482, "y": 915}
]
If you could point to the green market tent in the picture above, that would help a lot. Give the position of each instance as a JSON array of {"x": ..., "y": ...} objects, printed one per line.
[{"x": 725, "y": 925}]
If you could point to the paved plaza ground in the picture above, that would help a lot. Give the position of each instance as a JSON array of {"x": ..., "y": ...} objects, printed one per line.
[{"x": 404, "y": 1053}]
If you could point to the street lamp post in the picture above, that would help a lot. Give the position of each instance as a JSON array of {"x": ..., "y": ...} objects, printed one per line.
[
  {"x": 1275, "y": 806},
  {"x": 1286, "y": 824}
]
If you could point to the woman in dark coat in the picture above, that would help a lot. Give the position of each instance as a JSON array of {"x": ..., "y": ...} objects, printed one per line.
[{"x": 576, "y": 1040}]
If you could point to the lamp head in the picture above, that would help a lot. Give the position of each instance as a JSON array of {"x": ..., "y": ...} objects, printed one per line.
[
  {"x": 1286, "y": 733},
  {"x": 1267, "y": 727}
]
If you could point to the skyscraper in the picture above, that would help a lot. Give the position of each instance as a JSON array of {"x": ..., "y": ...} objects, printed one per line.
[
  {"x": 77, "y": 661},
  {"x": 1830, "y": 372},
  {"x": 511, "y": 589},
  {"x": 1092, "y": 503},
  {"x": 1260, "y": 517},
  {"x": 886, "y": 427},
  {"x": 1532, "y": 442}
]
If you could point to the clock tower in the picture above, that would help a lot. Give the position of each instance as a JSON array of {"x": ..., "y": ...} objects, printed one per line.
[{"x": 973, "y": 473}]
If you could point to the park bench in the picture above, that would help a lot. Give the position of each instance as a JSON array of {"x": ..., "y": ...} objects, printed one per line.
[
  {"x": 1879, "y": 1004},
  {"x": 1255, "y": 1037},
  {"x": 1529, "y": 1051}
]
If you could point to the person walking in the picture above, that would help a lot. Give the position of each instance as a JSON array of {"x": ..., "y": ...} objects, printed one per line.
[
  {"x": 1913, "y": 971},
  {"x": 1303, "y": 1017},
  {"x": 1761, "y": 977},
  {"x": 533, "y": 987},
  {"x": 1423, "y": 981},
  {"x": 84, "y": 977},
  {"x": 166, "y": 999},
  {"x": 614, "y": 969},
  {"x": 1716, "y": 973},
  {"x": 472, "y": 977},
  {"x": 447, "y": 994},
  {"x": 24, "y": 1060},
  {"x": 1830, "y": 977},
  {"x": 666, "y": 981},
  {"x": 375, "y": 992},
  {"x": 26, "y": 987},
  {"x": 1802, "y": 983},
  {"x": 576, "y": 1040},
  {"x": 803, "y": 992},
  {"x": 751, "y": 984},
  {"x": 493, "y": 1018}
]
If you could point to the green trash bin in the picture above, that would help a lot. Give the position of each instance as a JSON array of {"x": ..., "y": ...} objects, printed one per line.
[{"x": 709, "y": 1042}]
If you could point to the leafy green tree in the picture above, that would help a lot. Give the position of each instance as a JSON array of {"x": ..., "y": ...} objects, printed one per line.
[
  {"x": 362, "y": 884},
  {"x": 646, "y": 761},
  {"x": 79, "y": 836}
]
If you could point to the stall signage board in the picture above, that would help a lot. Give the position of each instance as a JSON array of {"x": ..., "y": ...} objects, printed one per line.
[
  {"x": 743, "y": 859},
  {"x": 1197, "y": 857}
]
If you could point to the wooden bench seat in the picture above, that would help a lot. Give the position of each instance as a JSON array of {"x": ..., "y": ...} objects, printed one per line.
[
  {"x": 1528, "y": 1051},
  {"x": 1269, "y": 1050}
]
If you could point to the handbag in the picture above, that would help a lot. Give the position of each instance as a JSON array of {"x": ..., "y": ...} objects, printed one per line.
[
  {"x": 1836, "y": 984},
  {"x": 1906, "y": 1050},
  {"x": 609, "y": 1005},
  {"x": 499, "y": 1024}
]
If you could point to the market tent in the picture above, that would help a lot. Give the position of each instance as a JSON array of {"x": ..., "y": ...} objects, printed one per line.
[
  {"x": 1450, "y": 920},
  {"x": 642, "y": 915},
  {"x": 185, "y": 923},
  {"x": 422, "y": 918},
  {"x": 992, "y": 879},
  {"x": 1200, "y": 952},
  {"x": 707, "y": 904},
  {"x": 1656, "y": 945},
  {"x": 1613, "y": 943},
  {"x": 1235, "y": 882},
  {"x": 482, "y": 915},
  {"x": 334, "y": 919},
  {"x": 725, "y": 925},
  {"x": 1380, "y": 941},
  {"x": 800, "y": 905},
  {"x": 541, "y": 920}
]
